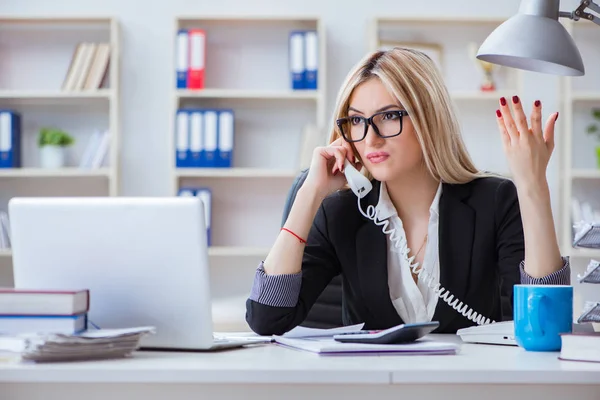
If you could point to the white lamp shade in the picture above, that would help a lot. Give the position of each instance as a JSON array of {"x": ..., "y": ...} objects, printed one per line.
[{"x": 533, "y": 43}]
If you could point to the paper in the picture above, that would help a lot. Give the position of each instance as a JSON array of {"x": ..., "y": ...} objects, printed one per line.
[
  {"x": 89, "y": 345},
  {"x": 331, "y": 346},
  {"x": 302, "y": 332}
]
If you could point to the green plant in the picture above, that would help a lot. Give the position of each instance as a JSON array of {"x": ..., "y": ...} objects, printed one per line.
[
  {"x": 54, "y": 137},
  {"x": 594, "y": 128}
]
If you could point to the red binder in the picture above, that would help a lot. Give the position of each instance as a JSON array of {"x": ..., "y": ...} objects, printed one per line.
[{"x": 197, "y": 58}]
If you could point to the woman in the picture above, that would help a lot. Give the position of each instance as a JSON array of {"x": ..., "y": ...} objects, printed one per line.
[{"x": 454, "y": 226}]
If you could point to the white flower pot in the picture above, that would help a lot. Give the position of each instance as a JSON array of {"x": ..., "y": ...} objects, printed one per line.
[{"x": 52, "y": 156}]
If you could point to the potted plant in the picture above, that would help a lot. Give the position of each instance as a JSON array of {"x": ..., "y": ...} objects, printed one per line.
[
  {"x": 594, "y": 129},
  {"x": 53, "y": 143}
]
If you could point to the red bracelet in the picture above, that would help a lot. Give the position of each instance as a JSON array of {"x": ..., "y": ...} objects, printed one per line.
[{"x": 299, "y": 238}]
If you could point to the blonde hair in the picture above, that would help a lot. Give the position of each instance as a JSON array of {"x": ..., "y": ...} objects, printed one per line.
[{"x": 413, "y": 79}]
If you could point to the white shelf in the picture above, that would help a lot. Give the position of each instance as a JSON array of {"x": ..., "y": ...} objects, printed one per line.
[
  {"x": 234, "y": 173},
  {"x": 585, "y": 173},
  {"x": 213, "y": 251},
  {"x": 441, "y": 20},
  {"x": 248, "y": 94},
  {"x": 231, "y": 251},
  {"x": 53, "y": 173},
  {"x": 586, "y": 96},
  {"x": 81, "y": 94},
  {"x": 56, "y": 20},
  {"x": 495, "y": 95},
  {"x": 585, "y": 253}
]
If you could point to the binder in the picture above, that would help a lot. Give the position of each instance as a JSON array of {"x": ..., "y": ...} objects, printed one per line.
[
  {"x": 211, "y": 130},
  {"x": 10, "y": 139},
  {"x": 225, "y": 138},
  {"x": 205, "y": 196},
  {"x": 312, "y": 59},
  {"x": 197, "y": 58},
  {"x": 182, "y": 58},
  {"x": 182, "y": 147},
  {"x": 186, "y": 192},
  {"x": 297, "y": 59},
  {"x": 196, "y": 139}
]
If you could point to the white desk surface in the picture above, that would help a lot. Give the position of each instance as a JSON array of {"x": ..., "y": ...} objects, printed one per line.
[{"x": 272, "y": 364}]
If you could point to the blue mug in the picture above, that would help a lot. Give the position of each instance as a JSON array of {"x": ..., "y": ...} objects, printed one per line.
[{"x": 541, "y": 314}]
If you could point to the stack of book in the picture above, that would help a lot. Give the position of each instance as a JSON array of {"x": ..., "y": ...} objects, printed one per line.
[
  {"x": 38, "y": 311},
  {"x": 88, "y": 67},
  {"x": 50, "y": 325}
]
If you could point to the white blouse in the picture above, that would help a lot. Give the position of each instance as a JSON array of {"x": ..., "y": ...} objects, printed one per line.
[{"x": 414, "y": 302}]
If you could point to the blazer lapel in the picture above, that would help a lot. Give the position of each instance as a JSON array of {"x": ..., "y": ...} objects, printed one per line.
[
  {"x": 456, "y": 233},
  {"x": 371, "y": 263}
]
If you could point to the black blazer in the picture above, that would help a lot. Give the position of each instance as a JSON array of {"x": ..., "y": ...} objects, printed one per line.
[{"x": 481, "y": 245}]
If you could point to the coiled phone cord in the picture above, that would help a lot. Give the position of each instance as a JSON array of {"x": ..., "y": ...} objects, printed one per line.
[{"x": 441, "y": 292}]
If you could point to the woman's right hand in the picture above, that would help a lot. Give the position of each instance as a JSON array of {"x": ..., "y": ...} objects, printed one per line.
[{"x": 326, "y": 175}]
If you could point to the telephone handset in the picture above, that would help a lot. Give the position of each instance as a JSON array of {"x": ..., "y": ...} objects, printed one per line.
[{"x": 361, "y": 185}]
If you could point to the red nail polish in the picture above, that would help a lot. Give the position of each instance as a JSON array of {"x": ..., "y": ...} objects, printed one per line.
[
  {"x": 537, "y": 103},
  {"x": 498, "y": 113},
  {"x": 556, "y": 117},
  {"x": 515, "y": 99},
  {"x": 502, "y": 101}
]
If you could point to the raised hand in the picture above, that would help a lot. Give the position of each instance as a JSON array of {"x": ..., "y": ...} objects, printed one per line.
[{"x": 528, "y": 147}]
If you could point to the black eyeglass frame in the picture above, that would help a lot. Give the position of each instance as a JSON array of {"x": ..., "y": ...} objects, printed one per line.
[{"x": 369, "y": 121}]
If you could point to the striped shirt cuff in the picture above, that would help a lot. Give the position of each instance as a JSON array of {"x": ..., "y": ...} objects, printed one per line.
[
  {"x": 560, "y": 277},
  {"x": 275, "y": 290}
]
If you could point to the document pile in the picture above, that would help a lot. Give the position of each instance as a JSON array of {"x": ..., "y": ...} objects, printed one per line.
[
  {"x": 321, "y": 341},
  {"x": 89, "y": 345}
]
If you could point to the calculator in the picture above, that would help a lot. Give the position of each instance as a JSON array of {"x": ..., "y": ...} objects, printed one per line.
[{"x": 404, "y": 333}]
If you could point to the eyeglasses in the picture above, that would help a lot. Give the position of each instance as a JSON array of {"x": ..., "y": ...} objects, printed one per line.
[{"x": 386, "y": 124}]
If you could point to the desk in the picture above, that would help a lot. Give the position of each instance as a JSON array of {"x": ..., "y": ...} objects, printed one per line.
[{"x": 271, "y": 371}]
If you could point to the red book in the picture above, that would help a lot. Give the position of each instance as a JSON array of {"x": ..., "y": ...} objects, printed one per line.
[
  {"x": 43, "y": 302},
  {"x": 197, "y": 53}
]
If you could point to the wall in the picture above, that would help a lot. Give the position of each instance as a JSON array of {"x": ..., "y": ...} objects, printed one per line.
[{"x": 147, "y": 35}]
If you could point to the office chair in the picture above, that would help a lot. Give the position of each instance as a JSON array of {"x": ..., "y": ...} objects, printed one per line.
[{"x": 327, "y": 310}]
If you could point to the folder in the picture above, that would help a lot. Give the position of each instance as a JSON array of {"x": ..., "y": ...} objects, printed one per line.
[
  {"x": 225, "y": 138},
  {"x": 186, "y": 192},
  {"x": 182, "y": 147},
  {"x": 312, "y": 59},
  {"x": 10, "y": 139},
  {"x": 182, "y": 58},
  {"x": 205, "y": 196},
  {"x": 297, "y": 59},
  {"x": 196, "y": 139},
  {"x": 197, "y": 58},
  {"x": 210, "y": 138}
]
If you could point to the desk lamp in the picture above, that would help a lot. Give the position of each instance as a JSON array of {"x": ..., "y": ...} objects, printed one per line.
[{"x": 534, "y": 40}]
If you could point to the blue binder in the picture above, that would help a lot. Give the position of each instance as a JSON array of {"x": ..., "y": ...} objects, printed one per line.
[
  {"x": 182, "y": 58},
  {"x": 311, "y": 46},
  {"x": 10, "y": 139},
  {"x": 211, "y": 137},
  {"x": 186, "y": 192},
  {"x": 226, "y": 137},
  {"x": 196, "y": 138},
  {"x": 182, "y": 139},
  {"x": 205, "y": 196},
  {"x": 297, "y": 59}
]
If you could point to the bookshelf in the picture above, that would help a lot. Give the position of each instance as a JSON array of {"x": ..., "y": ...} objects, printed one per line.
[
  {"x": 37, "y": 53},
  {"x": 448, "y": 41},
  {"x": 579, "y": 164},
  {"x": 247, "y": 70}
]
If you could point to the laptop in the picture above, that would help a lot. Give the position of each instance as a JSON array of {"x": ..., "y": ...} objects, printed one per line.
[{"x": 144, "y": 260}]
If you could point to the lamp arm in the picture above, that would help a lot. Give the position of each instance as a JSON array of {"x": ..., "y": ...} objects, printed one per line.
[{"x": 580, "y": 12}]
